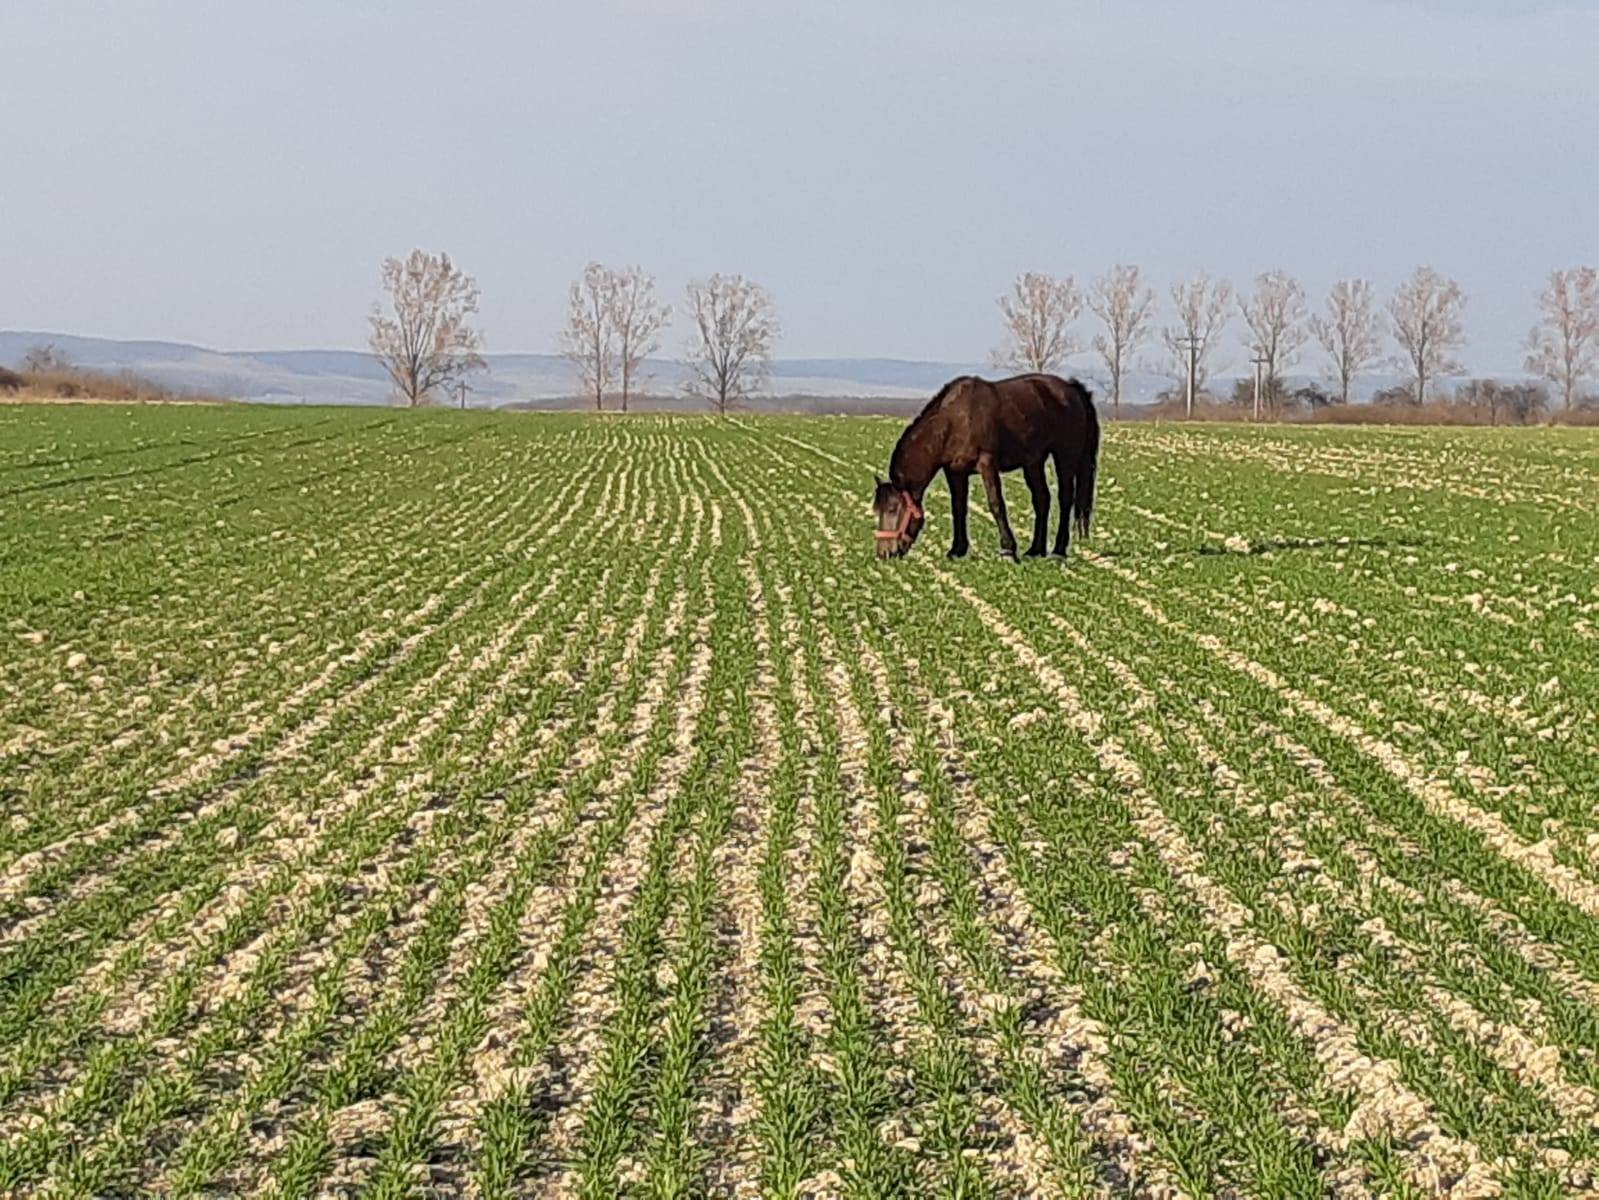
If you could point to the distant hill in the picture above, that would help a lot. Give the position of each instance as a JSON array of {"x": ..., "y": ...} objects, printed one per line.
[{"x": 531, "y": 380}]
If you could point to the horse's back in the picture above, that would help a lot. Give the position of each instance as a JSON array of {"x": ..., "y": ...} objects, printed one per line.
[{"x": 1034, "y": 416}]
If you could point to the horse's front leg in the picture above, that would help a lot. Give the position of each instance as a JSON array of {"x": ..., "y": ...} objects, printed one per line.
[
  {"x": 1038, "y": 485},
  {"x": 957, "y": 481},
  {"x": 996, "y": 506}
]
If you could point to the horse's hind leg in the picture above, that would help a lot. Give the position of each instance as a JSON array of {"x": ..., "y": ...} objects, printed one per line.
[
  {"x": 996, "y": 506},
  {"x": 1038, "y": 485},
  {"x": 957, "y": 481},
  {"x": 1066, "y": 481}
]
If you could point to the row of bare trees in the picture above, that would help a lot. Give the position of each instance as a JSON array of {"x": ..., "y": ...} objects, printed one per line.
[
  {"x": 614, "y": 321},
  {"x": 428, "y": 345},
  {"x": 426, "y": 342},
  {"x": 1423, "y": 319}
]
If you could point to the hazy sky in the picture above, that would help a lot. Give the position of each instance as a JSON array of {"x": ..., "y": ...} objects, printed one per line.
[{"x": 233, "y": 173}]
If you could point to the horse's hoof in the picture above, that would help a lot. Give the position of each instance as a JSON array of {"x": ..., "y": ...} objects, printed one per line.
[
  {"x": 1038, "y": 553},
  {"x": 955, "y": 552}
]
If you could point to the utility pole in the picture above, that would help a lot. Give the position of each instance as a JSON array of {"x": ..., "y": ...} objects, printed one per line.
[
  {"x": 1193, "y": 344},
  {"x": 461, "y": 387},
  {"x": 1260, "y": 361}
]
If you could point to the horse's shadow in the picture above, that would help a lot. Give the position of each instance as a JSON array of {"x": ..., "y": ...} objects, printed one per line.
[{"x": 1253, "y": 549}]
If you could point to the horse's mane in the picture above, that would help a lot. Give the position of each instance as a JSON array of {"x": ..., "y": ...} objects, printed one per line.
[{"x": 929, "y": 410}]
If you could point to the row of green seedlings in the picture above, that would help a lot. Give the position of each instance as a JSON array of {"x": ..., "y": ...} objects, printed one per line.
[
  {"x": 370, "y": 827},
  {"x": 1411, "y": 627},
  {"x": 1537, "y": 789},
  {"x": 1077, "y": 896},
  {"x": 675, "y": 1162},
  {"x": 323, "y": 1075},
  {"x": 113, "y": 778},
  {"x": 118, "y": 779},
  {"x": 217, "y": 1139},
  {"x": 512, "y": 1138},
  {"x": 1371, "y": 819},
  {"x": 648, "y": 1043},
  {"x": 1110, "y": 684},
  {"x": 134, "y": 839},
  {"x": 1520, "y": 556},
  {"x": 47, "y": 960},
  {"x": 957, "y": 1057},
  {"x": 310, "y": 1154},
  {"x": 1529, "y": 780},
  {"x": 793, "y": 1129},
  {"x": 46, "y": 1038},
  {"x": 226, "y": 642}
]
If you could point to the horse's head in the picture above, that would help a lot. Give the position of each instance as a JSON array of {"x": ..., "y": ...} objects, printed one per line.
[{"x": 899, "y": 520}]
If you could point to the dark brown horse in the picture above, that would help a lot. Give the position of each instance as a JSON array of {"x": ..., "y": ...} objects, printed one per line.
[{"x": 975, "y": 425}]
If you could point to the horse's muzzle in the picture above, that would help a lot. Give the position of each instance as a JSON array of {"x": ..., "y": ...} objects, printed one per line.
[{"x": 893, "y": 547}]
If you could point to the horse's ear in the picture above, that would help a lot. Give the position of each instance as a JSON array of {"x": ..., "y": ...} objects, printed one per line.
[{"x": 877, "y": 479}]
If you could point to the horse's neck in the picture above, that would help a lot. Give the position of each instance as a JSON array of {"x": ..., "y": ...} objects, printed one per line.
[{"x": 916, "y": 458}]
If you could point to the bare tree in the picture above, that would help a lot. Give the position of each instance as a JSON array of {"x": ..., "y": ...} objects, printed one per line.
[
  {"x": 1203, "y": 305},
  {"x": 426, "y": 345},
  {"x": 730, "y": 348},
  {"x": 1039, "y": 312},
  {"x": 589, "y": 340},
  {"x": 1349, "y": 331},
  {"x": 1425, "y": 317},
  {"x": 1275, "y": 315},
  {"x": 636, "y": 318},
  {"x": 1120, "y": 300},
  {"x": 1564, "y": 346}
]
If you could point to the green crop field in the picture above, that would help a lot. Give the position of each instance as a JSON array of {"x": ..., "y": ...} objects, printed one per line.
[{"x": 457, "y": 804}]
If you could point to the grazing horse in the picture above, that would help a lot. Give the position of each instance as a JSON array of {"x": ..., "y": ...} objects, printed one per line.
[{"x": 988, "y": 427}]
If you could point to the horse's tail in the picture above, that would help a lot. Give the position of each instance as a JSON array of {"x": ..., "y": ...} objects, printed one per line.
[{"x": 1087, "y": 465}]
